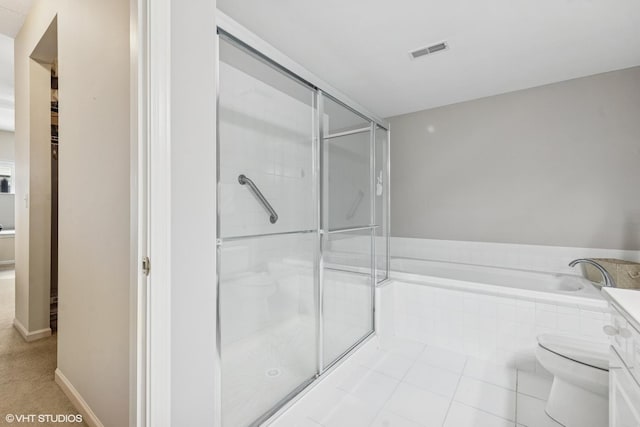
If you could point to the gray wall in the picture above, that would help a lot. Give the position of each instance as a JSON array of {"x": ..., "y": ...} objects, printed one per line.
[{"x": 554, "y": 165}]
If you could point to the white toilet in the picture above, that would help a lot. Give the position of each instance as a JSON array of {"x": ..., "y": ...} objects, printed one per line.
[
  {"x": 579, "y": 395},
  {"x": 247, "y": 295}
]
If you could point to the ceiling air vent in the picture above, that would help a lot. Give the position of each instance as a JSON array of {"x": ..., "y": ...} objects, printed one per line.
[{"x": 423, "y": 51}]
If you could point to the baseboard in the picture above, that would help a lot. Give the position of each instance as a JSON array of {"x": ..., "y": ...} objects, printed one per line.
[
  {"x": 76, "y": 399},
  {"x": 33, "y": 335}
]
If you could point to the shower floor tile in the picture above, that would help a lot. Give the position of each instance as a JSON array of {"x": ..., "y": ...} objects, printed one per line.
[
  {"x": 428, "y": 387},
  {"x": 262, "y": 366}
]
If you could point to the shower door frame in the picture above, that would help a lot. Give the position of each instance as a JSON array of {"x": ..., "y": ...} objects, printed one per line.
[{"x": 243, "y": 38}]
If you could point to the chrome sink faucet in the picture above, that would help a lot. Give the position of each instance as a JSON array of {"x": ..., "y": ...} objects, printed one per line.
[{"x": 608, "y": 280}]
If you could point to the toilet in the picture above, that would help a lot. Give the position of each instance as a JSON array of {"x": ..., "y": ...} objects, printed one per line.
[
  {"x": 249, "y": 295},
  {"x": 579, "y": 395}
]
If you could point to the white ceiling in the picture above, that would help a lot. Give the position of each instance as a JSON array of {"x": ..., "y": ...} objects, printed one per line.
[
  {"x": 12, "y": 15},
  {"x": 496, "y": 46}
]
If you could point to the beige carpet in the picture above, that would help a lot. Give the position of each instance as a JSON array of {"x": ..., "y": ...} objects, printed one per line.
[{"x": 27, "y": 369}]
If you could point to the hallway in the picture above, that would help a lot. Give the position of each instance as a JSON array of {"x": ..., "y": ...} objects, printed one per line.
[{"x": 27, "y": 369}]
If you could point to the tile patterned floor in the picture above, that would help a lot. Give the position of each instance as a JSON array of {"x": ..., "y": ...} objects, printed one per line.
[{"x": 408, "y": 384}]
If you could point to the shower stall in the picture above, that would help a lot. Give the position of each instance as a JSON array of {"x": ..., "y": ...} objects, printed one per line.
[{"x": 303, "y": 225}]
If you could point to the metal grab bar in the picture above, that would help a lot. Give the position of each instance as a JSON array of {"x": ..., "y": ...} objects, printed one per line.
[{"x": 273, "y": 216}]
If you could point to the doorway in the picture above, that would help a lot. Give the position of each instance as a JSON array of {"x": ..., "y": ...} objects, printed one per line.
[
  {"x": 53, "y": 298},
  {"x": 28, "y": 339},
  {"x": 36, "y": 209}
]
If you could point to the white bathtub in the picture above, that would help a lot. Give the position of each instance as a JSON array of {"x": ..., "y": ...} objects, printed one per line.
[
  {"x": 487, "y": 313},
  {"x": 509, "y": 282}
]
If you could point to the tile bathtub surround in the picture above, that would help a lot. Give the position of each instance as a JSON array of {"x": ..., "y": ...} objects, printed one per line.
[
  {"x": 272, "y": 146},
  {"x": 550, "y": 259},
  {"x": 439, "y": 388},
  {"x": 486, "y": 327}
]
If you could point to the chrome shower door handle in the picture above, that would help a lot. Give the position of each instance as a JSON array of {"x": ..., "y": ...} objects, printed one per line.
[{"x": 244, "y": 180}]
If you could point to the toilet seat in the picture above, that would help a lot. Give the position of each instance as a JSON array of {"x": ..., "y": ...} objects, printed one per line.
[
  {"x": 251, "y": 285},
  {"x": 592, "y": 354}
]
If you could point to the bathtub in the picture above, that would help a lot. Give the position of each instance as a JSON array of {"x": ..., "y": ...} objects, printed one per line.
[
  {"x": 571, "y": 289},
  {"x": 487, "y": 313}
]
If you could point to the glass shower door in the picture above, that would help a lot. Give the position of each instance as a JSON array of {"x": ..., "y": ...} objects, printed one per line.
[
  {"x": 268, "y": 236},
  {"x": 348, "y": 230},
  {"x": 381, "y": 215}
]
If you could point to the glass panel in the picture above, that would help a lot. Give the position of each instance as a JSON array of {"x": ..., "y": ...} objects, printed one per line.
[
  {"x": 347, "y": 168},
  {"x": 347, "y": 291},
  {"x": 268, "y": 285},
  {"x": 268, "y": 322},
  {"x": 381, "y": 203},
  {"x": 266, "y": 129},
  {"x": 268, "y": 270},
  {"x": 339, "y": 118}
]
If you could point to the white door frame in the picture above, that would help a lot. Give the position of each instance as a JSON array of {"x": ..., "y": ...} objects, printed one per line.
[
  {"x": 158, "y": 197},
  {"x": 150, "y": 384},
  {"x": 173, "y": 147},
  {"x": 139, "y": 201}
]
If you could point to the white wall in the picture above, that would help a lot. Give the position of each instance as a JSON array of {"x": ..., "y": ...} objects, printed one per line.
[
  {"x": 553, "y": 165},
  {"x": 7, "y": 248},
  {"x": 39, "y": 195},
  {"x": 7, "y": 146},
  {"x": 93, "y": 54},
  {"x": 193, "y": 211},
  {"x": 7, "y": 201},
  {"x": 32, "y": 142},
  {"x": 7, "y": 211}
]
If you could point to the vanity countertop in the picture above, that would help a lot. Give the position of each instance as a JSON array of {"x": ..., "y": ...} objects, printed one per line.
[{"x": 626, "y": 299}]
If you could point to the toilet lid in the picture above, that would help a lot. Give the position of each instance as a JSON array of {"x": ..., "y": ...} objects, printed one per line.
[
  {"x": 586, "y": 352},
  {"x": 251, "y": 279}
]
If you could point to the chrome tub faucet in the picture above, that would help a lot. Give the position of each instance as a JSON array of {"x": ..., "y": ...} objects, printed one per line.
[{"x": 608, "y": 280}]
